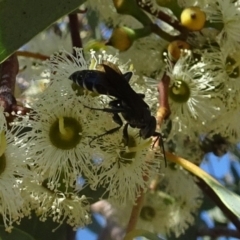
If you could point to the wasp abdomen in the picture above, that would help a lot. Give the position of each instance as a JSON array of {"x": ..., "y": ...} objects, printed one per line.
[{"x": 91, "y": 80}]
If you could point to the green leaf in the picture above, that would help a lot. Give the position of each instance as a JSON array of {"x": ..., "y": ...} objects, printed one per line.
[
  {"x": 21, "y": 20},
  {"x": 15, "y": 234},
  {"x": 227, "y": 197},
  {"x": 142, "y": 233}
]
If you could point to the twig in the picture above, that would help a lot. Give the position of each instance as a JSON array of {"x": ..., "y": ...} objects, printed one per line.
[
  {"x": 164, "y": 109},
  {"x": 164, "y": 35},
  {"x": 217, "y": 232},
  {"x": 135, "y": 213},
  {"x": 74, "y": 29},
  {"x": 32, "y": 55},
  {"x": 148, "y": 7},
  {"x": 8, "y": 72}
]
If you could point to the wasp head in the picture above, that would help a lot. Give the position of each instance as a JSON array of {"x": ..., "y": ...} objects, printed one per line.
[{"x": 149, "y": 129}]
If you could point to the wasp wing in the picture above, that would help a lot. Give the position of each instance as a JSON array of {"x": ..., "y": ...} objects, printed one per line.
[{"x": 121, "y": 89}]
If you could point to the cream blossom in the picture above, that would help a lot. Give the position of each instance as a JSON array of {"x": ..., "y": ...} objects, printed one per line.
[
  {"x": 13, "y": 169},
  {"x": 189, "y": 90},
  {"x": 61, "y": 207},
  {"x": 128, "y": 166},
  {"x": 61, "y": 131},
  {"x": 227, "y": 13}
]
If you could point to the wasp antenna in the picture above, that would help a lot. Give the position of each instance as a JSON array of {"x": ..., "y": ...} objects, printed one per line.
[
  {"x": 161, "y": 144},
  {"x": 163, "y": 150}
]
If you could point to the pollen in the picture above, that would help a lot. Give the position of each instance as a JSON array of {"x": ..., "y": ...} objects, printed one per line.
[{"x": 147, "y": 213}]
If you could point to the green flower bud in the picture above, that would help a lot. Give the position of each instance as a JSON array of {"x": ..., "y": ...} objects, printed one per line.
[
  {"x": 130, "y": 7},
  {"x": 123, "y": 37}
]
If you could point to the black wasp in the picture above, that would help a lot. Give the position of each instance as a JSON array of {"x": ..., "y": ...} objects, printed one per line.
[{"x": 107, "y": 79}]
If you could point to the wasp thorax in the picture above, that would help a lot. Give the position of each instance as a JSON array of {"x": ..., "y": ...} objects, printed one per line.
[
  {"x": 65, "y": 133},
  {"x": 232, "y": 67},
  {"x": 179, "y": 91},
  {"x": 2, "y": 163},
  {"x": 147, "y": 213}
]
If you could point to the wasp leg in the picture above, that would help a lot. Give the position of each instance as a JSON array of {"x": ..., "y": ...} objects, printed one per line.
[
  {"x": 117, "y": 120},
  {"x": 161, "y": 144},
  {"x": 141, "y": 95},
  {"x": 109, "y": 110}
]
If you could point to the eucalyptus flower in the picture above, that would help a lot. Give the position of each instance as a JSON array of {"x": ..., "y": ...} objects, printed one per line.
[
  {"x": 189, "y": 90},
  {"x": 227, "y": 13},
  {"x": 150, "y": 62},
  {"x": 61, "y": 207},
  {"x": 62, "y": 64},
  {"x": 13, "y": 169},
  {"x": 128, "y": 166},
  {"x": 155, "y": 215},
  {"x": 62, "y": 126},
  {"x": 222, "y": 67},
  {"x": 171, "y": 208},
  {"x": 188, "y": 198},
  {"x": 228, "y": 123}
]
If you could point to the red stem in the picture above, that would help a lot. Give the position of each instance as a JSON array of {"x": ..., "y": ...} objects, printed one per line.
[
  {"x": 135, "y": 213},
  {"x": 74, "y": 29},
  {"x": 8, "y": 72},
  {"x": 32, "y": 55},
  {"x": 164, "y": 109}
]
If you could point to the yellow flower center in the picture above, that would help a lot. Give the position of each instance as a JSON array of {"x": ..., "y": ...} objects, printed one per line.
[
  {"x": 65, "y": 133},
  {"x": 147, "y": 213},
  {"x": 179, "y": 91}
]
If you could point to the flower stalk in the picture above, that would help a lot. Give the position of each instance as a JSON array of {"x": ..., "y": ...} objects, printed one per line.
[
  {"x": 74, "y": 30},
  {"x": 8, "y": 72},
  {"x": 164, "y": 17},
  {"x": 164, "y": 110},
  {"x": 135, "y": 213}
]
